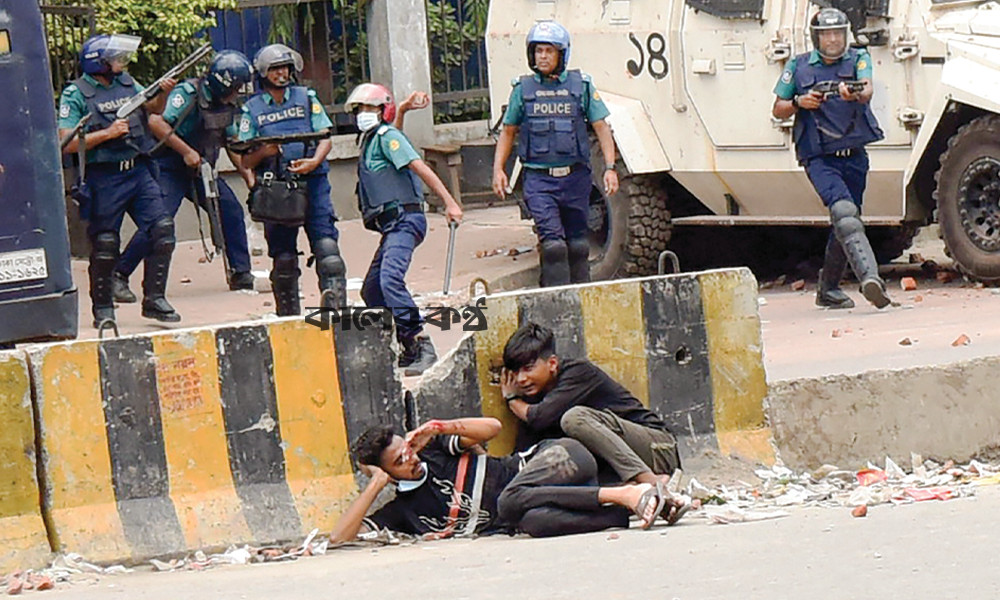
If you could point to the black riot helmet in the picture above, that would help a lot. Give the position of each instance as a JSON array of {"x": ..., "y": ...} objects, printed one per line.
[{"x": 829, "y": 19}]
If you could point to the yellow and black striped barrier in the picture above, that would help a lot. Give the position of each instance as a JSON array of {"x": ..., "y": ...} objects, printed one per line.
[
  {"x": 202, "y": 438},
  {"x": 688, "y": 346},
  {"x": 23, "y": 541}
]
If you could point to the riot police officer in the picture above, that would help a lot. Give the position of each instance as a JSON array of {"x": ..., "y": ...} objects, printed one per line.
[
  {"x": 119, "y": 173},
  {"x": 281, "y": 107},
  {"x": 550, "y": 110},
  {"x": 391, "y": 200},
  {"x": 201, "y": 113},
  {"x": 831, "y": 131}
]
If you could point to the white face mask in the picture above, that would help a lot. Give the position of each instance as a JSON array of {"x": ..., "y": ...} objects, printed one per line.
[{"x": 368, "y": 121}]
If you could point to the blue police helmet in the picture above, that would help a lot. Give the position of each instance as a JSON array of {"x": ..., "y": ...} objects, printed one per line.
[
  {"x": 92, "y": 55},
  {"x": 229, "y": 71},
  {"x": 549, "y": 32}
]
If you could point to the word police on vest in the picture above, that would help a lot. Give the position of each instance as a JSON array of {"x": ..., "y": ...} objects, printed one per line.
[
  {"x": 112, "y": 105},
  {"x": 562, "y": 108},
  {"x": 295, "y": 112}
]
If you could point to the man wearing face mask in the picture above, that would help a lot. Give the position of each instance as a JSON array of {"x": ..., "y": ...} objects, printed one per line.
[
  {"x": 282, "y": 108},
  {"x": 391, "y": 201},
  {"x": 199, "y": 117}
]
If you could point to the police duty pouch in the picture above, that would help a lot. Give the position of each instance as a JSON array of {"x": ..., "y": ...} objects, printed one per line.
[{"x": 281, "y": 201}]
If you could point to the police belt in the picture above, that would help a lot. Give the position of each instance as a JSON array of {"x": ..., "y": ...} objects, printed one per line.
[
  {"x": 120, "y": 166},
  {"x": 845, "y": 153},
  {"x": 558, "y": 171},
  {"x": 391, "y": 213}
]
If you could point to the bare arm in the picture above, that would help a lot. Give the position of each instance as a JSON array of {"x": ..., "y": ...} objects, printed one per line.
[
  {"x": 245, "y": 173},
  {"x": 254, "y": 158},
  {"x": 161, "y": 129},
  {"x": 452, "y": 210},
  {"x": 414, "y": 101},
  {"x": 350, "y": 522},
  {"x": 504, "y": 145},
  {"x": 304, "y": 166},
  {"x": 95, "y": 138},
  {"x": 471, "y": 431},
  {"x": 157, "y": 104},
  {"x": 607, "y": 141}
]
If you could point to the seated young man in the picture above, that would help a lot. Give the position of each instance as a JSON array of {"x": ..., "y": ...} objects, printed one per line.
[
  {"x": 576, "y": 399},
  {"x": 446, "y": 486}
]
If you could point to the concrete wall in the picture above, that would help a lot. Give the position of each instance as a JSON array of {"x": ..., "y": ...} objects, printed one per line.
[
  {"x": 688, "y": 346},
  {"x": 945, "y": 411}
]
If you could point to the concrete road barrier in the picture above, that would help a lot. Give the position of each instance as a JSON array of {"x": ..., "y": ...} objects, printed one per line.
[
  {"x": 201, "y": 438},
  {"x": 942, "y": 412},
  {"x": 23, "y": 541},
  {"x": 686, "y": 345}
]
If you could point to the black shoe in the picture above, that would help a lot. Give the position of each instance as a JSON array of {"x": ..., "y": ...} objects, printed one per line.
[
  {"x": 103, "y": 314},
  {"x": 241, "y": 280},
  {"x": 874, "y": 291},
  {"x": 424, "y": 358},
  {"x": 159, "y": 309},
  {"x": 835, "y": 298},
  {"x": 120, "y": 291}
]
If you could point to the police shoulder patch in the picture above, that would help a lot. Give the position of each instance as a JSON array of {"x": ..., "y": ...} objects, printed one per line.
[
  {"x": 177, "y": 100},
  {"x": 317, "y": 108},
  {"x": 862, "y": 64},
  {"x": 393, "y": 145},
  {"x": 187, "y": 87},
  {"x": 244, "y": 125},
  {"x": 786, "y": 76},
  {"x": 63, "y": 111}
]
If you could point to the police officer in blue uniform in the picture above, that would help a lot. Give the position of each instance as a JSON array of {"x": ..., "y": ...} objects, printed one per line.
[
  {"x": 391, "y": 201},
  {"x": 280, "y": 108},
  {"x": 200, "y": 115},
  {"x": 550, "y": 110},
  {"x": 830, "y": 137},
  {"x": 120, "y": 175}
]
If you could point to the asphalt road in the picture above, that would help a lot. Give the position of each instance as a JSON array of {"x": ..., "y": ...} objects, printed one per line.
[{"x": 931, "y": 550}]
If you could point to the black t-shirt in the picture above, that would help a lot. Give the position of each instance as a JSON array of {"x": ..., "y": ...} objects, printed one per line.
[
  {"x": 425, "y": 509},
  {"x": 582, "y": 383}
]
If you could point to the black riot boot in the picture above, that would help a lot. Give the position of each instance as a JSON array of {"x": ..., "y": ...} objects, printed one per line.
[
  {"x": 829, "y": 294},
  {"x": 554, "y": 261},
  {"x": 156, "y": 267},
  {"x": 103, "y": 257},
  {"x": 578, "y": 251},
  {"x": 119, "y": 288},
  {"x": 331, "y": 271},
  {"x": 421, "y": 349},
  {"x": 285, "y": 285},
  {"x": 850, "y": 231}
]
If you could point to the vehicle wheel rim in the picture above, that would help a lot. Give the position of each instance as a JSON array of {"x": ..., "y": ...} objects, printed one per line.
[{"x": 979, "y": 203}]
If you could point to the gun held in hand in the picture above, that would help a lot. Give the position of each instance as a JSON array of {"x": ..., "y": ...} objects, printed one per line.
[
  {"x": 154, "y": 90},
  {"x": 832, "y": 88}
]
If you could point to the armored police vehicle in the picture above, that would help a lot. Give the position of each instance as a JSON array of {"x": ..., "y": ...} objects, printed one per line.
[
  {"x": 690, "y": 85},
  {"x": 37, "y": 297}
]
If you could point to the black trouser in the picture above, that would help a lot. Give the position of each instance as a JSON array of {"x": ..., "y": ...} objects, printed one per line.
[{"x": 556, "y": 494}]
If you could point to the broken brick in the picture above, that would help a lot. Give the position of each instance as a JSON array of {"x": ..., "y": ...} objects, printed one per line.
[
  {"x": 799, "y": 285},
  {"x": 906, "y": 342},
  {"x": 962, "y": 340},
  {"x": 860, "y": 511},
  {"x": 835, "y": 333},
  {"x": 945, "y": 276},
  {"x": 908, "y": 284}
]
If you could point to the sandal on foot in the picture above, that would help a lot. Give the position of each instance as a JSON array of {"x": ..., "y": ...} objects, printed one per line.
[
  {"x": 653, "y": 494},
  {"x": 678, "y": 508}
]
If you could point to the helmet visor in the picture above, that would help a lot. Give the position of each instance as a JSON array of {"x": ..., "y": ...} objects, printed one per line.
[{"x": 121, "y": 49}]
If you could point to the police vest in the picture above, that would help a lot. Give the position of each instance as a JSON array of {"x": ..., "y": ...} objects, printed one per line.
[
  {"x": 376, "y": 189},
  {"x": 209, "y": 134},
  {"x": 103, "y": 103},
  {"x": 292, "y": 116},
  {"x": 836, "y": 124},
  {"x": 554, "y": 130}
]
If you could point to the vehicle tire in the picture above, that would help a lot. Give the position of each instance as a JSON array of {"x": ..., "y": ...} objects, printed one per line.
[
  {"x": 630, "y": 229},
  {"x": 967, "y": 196}
]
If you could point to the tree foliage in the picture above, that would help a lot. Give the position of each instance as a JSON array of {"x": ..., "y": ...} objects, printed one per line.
[{"x": 170, "y": 29}]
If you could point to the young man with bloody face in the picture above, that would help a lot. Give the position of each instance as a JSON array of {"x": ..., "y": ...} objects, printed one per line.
[
  {"x": 446, "y": 486},
  {"x": 557, "y": 397}
]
